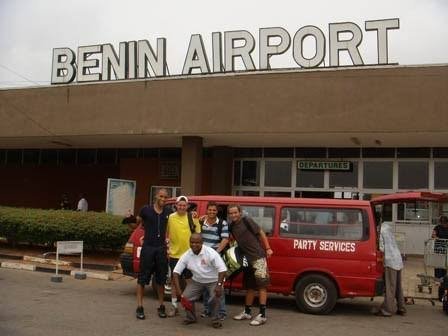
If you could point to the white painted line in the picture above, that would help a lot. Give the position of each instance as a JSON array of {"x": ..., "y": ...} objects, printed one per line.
[{"x": 12, "y": 265}]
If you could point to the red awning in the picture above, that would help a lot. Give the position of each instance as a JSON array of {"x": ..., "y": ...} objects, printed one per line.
[{"x": 411, "y": 196}]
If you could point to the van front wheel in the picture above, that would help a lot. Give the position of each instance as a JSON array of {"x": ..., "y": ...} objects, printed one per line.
[{"x": 315, "y": 294}]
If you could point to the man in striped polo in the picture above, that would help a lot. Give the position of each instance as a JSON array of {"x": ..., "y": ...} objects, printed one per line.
[{"x": 215, "y": 234}]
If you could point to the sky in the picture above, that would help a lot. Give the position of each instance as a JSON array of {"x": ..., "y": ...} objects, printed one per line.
[{"x": 29, "y": 30}]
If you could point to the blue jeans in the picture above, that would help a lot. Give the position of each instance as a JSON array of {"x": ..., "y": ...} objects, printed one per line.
[{"x": 222, "y": 312}]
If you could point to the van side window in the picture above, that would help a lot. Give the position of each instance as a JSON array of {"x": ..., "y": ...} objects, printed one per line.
[
  {"x": 262, "y": 215},
  {"x": 324, "y": 223}
]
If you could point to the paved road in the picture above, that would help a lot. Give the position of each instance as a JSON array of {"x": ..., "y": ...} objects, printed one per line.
[{"x": 32, "y": 305}]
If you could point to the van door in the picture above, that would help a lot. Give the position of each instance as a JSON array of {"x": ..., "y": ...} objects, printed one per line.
[{"x": 336, "y": 241}]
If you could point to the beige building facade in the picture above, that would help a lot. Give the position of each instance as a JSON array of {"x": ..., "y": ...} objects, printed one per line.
[{"x": 241, "y": 133}]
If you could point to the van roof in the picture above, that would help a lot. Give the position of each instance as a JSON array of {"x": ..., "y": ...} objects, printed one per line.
[
  {"x": 279, "y": 200},
  {"x": 411, "y": 196}
]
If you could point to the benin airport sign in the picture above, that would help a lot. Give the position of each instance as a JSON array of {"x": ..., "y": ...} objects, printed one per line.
[
  {"x": 140, "y": 59},
  {"x": 324, "y": 165}
]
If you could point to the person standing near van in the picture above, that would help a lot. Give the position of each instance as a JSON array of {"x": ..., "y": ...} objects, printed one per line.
[
  {"x": 215, "y": 234},
  {"x": 153, "y": 257},
  {"x": 393, "y": 264},
  {"x": 440, "y": 232},
  {"x": 255, "y": 246},
  {"x": 180, "y": 227}
]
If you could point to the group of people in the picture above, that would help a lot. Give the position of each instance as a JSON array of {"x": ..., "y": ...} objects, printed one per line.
[
  {"x": 82, "y": 205},
  {"x": 192, "y": 248}
]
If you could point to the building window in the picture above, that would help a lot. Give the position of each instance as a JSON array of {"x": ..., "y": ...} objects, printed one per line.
[
  {"x": 413, "y": 152},
  {"x": 31, "y": 157},
  {"x": 278, "y": 152},
  {"x": 378, "y": 152},
  {"x": 277, "y": 194},
  {"x": 440, "y": 152},
  {"x": 343, "y": 152},
  {"x": 277, "y": 174},
  {"x": 378, "y": 175},
  {"x": 310, "y": 178},
  {"x": 315, "y": 153},
  {"x": 412, "y": 175},
  {"x": 107, "y": 156},
  {"x": 67, "y": 156},
  {"x": 128, "y": 153},
  {"x": 414, "y": 212},
  {"x": 345, "y": 179},
  {"x": 14, "y": 157},
  {"x": 86, "y": 156},
  {"x": 49, "y": 157},
  {"x": 248, "y": 152},
  {"x": 441, "y": 175},
  {"x": 2, "y": 156},
  {"x": 237, "y": 173},
  {"x": 247, "y": 193},
  {"x": 250, "y": 173}
]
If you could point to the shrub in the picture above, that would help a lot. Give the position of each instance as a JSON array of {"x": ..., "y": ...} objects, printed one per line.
[{"x": 96, "y": 229}]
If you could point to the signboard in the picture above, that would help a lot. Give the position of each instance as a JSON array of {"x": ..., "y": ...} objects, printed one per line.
[
  {"x": 140, "y": 59},
  {"x": 69, "y": 247},
  {"x": 324, "y": 165},
  {"x": 120, "y": 196}
]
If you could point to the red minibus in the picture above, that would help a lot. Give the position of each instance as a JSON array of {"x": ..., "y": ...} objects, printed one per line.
[{"x": 324, "y": 249}]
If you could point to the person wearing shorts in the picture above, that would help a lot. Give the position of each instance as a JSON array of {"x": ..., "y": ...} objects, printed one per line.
[
  {"x": 254, "y": 244},
  {"x": 153, "y": 256}
]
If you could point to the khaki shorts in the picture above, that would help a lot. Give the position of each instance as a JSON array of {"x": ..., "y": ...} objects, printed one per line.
[{"x": 256, "y": 276}]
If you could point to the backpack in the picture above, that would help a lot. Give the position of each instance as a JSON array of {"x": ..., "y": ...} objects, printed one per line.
[
  {"x": 191, "y": 223},
  {"x": 248, "y": 227}
]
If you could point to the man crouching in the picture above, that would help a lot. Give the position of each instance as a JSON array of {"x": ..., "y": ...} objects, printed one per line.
[{"x": 208, "y": 271}]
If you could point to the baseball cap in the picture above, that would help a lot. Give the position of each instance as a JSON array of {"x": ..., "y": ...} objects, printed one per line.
[{"x": 182, "y": 198}]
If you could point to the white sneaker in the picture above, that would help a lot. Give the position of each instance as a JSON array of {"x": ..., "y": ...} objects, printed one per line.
[
  {"x": 242, "y": 316},
  {"x": 258, "y": 320}
]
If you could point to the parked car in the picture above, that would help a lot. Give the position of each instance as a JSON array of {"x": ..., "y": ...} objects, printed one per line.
[{"x": 324, "y": 249}]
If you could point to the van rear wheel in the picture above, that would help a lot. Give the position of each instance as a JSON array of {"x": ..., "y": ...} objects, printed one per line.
[{"x": 315, "y": 294}]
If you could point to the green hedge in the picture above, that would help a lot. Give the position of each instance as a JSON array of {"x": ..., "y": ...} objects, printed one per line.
[{"x": 96, "y": 229}]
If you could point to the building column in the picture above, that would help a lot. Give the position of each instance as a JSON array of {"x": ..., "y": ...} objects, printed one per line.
[
  {"x": 222, "y": 167},
  {"x": 191, "y": 175}
]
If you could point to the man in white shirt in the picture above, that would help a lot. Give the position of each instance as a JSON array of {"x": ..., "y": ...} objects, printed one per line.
[
  {"x": 82, "y": 204},
  {"x": 393, "y": 264},
  {"x": 208, "y": 271}
]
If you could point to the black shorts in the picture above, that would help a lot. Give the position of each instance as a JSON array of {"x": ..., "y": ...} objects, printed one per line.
[
  {"x": 186, "y": 274},
  {"x": 153, "y": 260}
]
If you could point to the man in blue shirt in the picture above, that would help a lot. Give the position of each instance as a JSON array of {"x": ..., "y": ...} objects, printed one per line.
[{"x": 215, "y": 234}]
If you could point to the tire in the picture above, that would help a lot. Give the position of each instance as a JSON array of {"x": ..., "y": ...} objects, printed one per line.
[{"x": 316, "y": 294}]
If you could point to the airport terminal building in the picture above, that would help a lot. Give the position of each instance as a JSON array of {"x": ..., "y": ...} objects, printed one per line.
[{"x": 342, "y": 132}]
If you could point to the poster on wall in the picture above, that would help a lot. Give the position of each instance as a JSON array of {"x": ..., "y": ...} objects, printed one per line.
[{"x": 120, "y": 196}]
